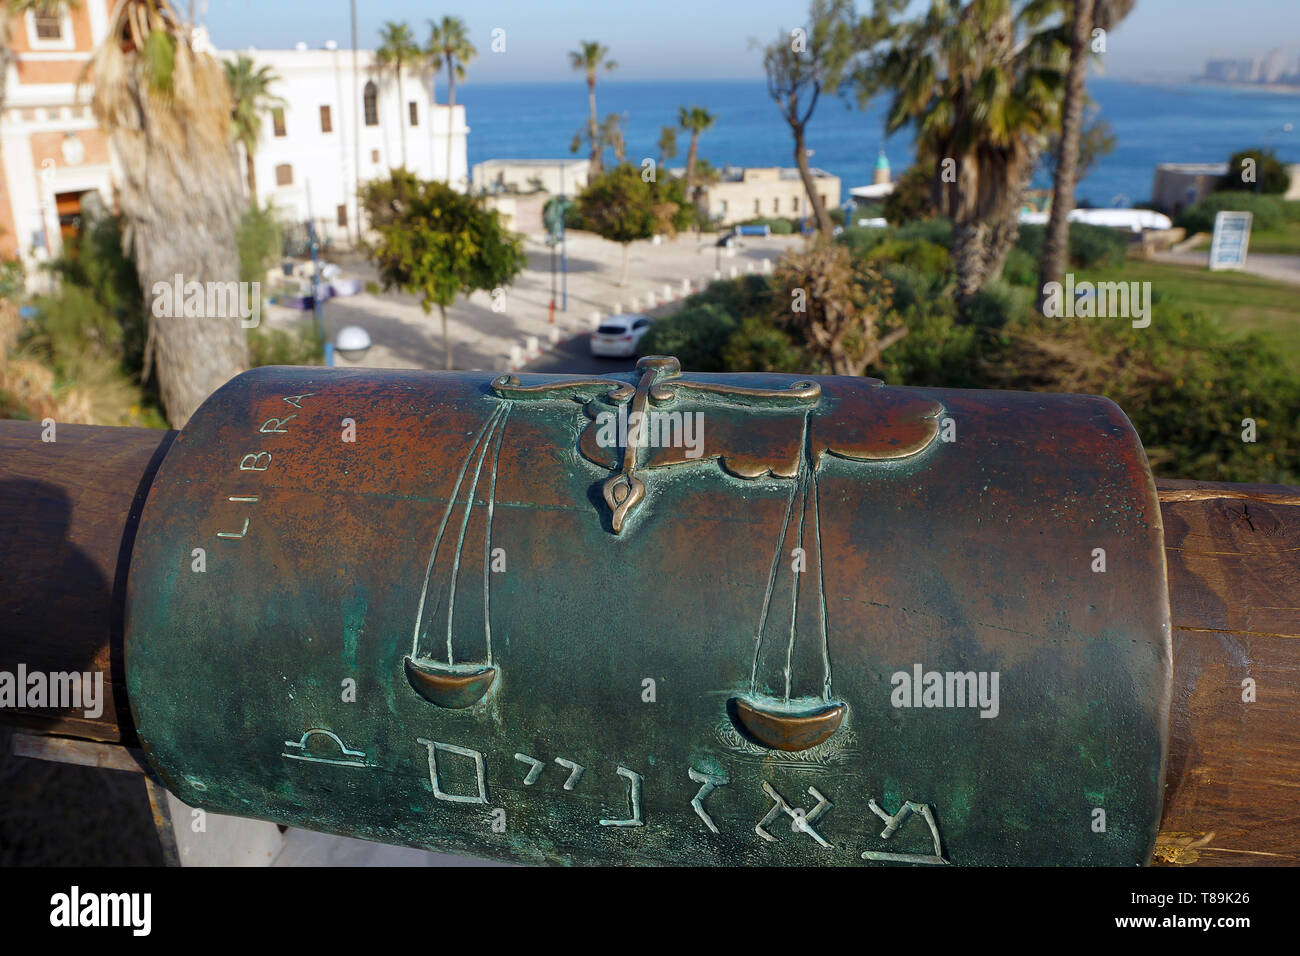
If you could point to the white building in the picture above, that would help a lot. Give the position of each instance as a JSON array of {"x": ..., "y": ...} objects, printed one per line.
[
  {"x": 314, "y": 152},
  {"x": 766, "y": 192},
  {"x": 555, "y": 176}
]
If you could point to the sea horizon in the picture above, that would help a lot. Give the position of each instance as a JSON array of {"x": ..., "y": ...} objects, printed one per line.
[{"x": 1153, "y": 122}]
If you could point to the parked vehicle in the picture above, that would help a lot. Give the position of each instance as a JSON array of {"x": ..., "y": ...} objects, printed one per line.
[{"x": 619, "y": 335}]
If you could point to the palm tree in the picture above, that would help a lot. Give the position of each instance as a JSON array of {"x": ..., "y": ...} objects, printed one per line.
[
  {"x": 449, "y": 44},
  {"x": 695, "y": 120},
  {"x": 979, "y": 82},
  {"x": 1085, "y": 16},
  {"x": 667, "y": 144},
  {"x": 591, "y": 58},
  {"x": 11, "y": 10},
  {"x": 398, "y": 51},
  {"x": 167, "y": 109},
  {"x": 250, "y": 94}
]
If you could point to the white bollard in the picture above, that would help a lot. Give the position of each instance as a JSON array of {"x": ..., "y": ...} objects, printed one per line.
[
  {"x": 531, "y": 345},
  {"x": 767, "y": 265},
  {"x": 686, "y": 287},
  {"x": 595, "y": 317},
  {"x": 650, "y": 301},
  {"x": 636, "y": 304},
  {"x": 734, "y": 272},
  {"x": 717, "y": 274},
  {"x": 516, "y": 356},
  {"x": 553, "y": 334},
  {"x": 749, "y": 266},
  {"x": 668, "y": 293}
]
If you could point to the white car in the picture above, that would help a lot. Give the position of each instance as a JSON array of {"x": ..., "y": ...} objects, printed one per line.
[{"x": 619, "y": 335}]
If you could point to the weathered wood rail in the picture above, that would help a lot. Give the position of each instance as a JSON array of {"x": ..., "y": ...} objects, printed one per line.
[{"x": 69, "y": 510}]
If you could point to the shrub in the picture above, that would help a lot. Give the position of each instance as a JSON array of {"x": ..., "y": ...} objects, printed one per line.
[
  {"x": 300, "y": 346},
  {"x": 997, "y": 304},
  {"x": 861, "y": 240},
  {"x": 1091, "y": 247},
  {"x": 914, "y": 289},
  {"x": 760, "y": 345},
  {"x": 1185, "y": 382},
  {"x": 1271, "y": 176},
  {"x": 920, "y": 254},
  {"x": 1020, "y": 269},
  {"x": 937, "y": 230},
  {"x": 747, "y": 295},
  {"x": 696, "y": 335},
  {"x": 1268, "y": 211},
  {"x": 260, "y": 240}
]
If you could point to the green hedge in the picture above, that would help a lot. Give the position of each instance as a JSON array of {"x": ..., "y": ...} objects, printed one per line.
[
  {"x": 1091, "y": 247},
  {"x": 1269, "y": 212}
]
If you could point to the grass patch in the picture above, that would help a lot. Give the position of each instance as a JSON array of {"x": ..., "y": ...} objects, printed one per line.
[{"x": 1242, "y": 303}]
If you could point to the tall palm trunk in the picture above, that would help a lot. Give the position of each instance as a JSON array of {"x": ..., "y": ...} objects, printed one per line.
[
  {"x": 824, "y": 225},
  {"x": 1007, "y": 229},
  {"x": 401, "y": 114},
  {"x": 690, "y": 164},
  {"x": 451, "y": 113},
  {"x": 1056, "y": 244},
  {"x": 251, "y": 167},
  {"x": 182, "y": 196},
  {"x": 970, "y": 242},
  {"x": 593, "y": 128}
]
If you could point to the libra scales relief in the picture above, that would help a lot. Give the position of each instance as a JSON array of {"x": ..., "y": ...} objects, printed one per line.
[{"x": 780, "y": 432}]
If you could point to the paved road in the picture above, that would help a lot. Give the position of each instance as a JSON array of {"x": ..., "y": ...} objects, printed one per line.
[
  {"x": 1267, "y": 265},
  {"x": 574, "y": 356}
]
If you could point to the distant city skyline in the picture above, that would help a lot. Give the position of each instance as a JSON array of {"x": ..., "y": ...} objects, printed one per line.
[{"x": 685, "y": 39}]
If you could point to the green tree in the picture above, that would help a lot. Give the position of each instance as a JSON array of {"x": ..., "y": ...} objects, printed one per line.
[
  {"x": 979, "y": 82},
  {"x": 591, "y": 57},
  {"x": 667, "y": 144},
  {"x": 251, "y": 97},
  {"x": 1270, "y": 176},
  {"x": 801, "y": 64},
  {"x": 440, "y": 245},
  {"x": 1084, "y": 17},
  {"x": 449, "y": 45},
  {"x": 695, "y": 120},
  {"x": 167, "y": 109},
  {"x": 622, "y": 207},
  {"x": 398, "y": 52}
]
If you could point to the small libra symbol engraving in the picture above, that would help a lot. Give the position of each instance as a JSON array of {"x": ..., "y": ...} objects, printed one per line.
[{"x": 480, "y": 773}]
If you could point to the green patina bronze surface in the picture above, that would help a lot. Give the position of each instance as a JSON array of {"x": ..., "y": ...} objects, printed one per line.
[{"x": 659, "y": 617}]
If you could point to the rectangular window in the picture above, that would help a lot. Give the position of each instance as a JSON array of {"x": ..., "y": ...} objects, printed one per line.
[
  {"x": 795, "y": 202},
  {"x": 49, "y": 26},
  {"x": 758, "y": 207},
  {"x": 415, "y": 113},
  {"x": 277, "y": 118},
  {"x": 722, "y": 206},
  {"x": 343, "y": 216},
  {"x": 284, "y": 175},
  {"x": 326, "y": 120},
  {"x": 776, "y": 205},
  {"x": 374, "y": 155}
]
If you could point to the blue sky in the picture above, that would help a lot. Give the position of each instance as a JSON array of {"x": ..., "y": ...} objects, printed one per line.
[{"x": 704, "y": 39}]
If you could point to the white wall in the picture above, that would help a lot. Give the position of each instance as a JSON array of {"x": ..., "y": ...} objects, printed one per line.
[{"x": 310, "y": 79}]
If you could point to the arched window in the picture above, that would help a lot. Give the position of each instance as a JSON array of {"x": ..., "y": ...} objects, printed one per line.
[{"x": 372, "y": 104}]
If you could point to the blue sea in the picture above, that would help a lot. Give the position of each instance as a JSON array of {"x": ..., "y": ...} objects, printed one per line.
[{"x": 1152, "y": 124}]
